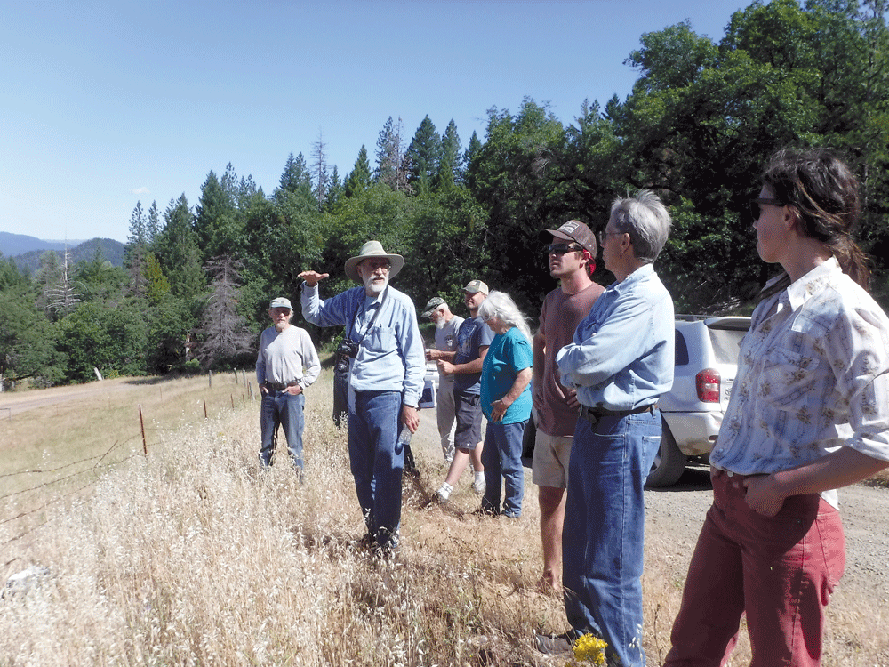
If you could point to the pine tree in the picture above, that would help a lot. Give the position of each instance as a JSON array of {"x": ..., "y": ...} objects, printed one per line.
[
  {"x": 152, "y": 224},
  {"x": 450, "y": 167},
  {"x": 135, "y": 251},
  {"x": 178, "y": 252},
  {"x": 392, "y": 165},
  {"x": 336, "y": 189},
  {"x": 296, "y": 177},
  {"x": 424, "y": 155},
  {"x": 359, "y": 179},
  {"x": 215, "y": 220}
]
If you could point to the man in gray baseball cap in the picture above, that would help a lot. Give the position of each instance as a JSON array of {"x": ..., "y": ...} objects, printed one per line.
[
  {"x": 446, "y": 326},
  {"x": 465, "y": 365},
  {"x": 287, "y": 364}
]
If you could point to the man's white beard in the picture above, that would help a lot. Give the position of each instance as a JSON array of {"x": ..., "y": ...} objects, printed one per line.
[
  {"x": 371, "y": 287},
  {"x": 440, "y": 323}
]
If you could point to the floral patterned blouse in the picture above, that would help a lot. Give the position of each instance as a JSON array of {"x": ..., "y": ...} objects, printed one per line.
[{"x": 813, "y": 375}]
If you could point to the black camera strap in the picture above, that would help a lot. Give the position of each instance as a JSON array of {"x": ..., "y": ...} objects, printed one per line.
[{"x": 370, "y": 324}]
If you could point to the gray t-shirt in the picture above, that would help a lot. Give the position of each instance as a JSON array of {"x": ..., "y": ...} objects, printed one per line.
[
  {"x": 446, "y": 340},
  {"x": 472, "y": 335}
]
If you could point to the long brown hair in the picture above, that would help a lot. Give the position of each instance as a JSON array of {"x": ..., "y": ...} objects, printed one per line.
[{"x": 824, "y": 193}]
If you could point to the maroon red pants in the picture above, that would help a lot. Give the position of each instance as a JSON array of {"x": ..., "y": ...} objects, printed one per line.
[{"x": 779, "y": 570}]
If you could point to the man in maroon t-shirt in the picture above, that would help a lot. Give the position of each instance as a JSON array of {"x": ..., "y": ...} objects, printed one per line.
[{"x": 572, "y": 259}]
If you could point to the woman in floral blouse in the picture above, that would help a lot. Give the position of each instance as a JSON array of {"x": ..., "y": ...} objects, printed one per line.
[{"x": 809, "y": 413}]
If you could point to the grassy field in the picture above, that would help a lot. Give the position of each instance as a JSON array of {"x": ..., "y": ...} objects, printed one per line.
[{"x": 193, "y": 556}]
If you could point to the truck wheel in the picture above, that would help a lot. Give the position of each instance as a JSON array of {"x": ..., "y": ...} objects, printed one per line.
[{"x": 669, "y": 464}]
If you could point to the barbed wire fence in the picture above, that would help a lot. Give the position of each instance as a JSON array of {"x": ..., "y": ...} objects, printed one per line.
[{"x": 92, "y": 467}]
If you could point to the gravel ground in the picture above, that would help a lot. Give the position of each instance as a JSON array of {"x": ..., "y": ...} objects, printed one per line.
[{"x": 864, "y": 509}]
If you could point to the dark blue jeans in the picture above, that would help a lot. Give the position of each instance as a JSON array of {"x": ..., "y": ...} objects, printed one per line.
[
  {"x": 604, "y": 532},
  {"x": 279, "y": 407},
  {"x": 377, "y": 462},
  {"x": 502, "y": 457}
]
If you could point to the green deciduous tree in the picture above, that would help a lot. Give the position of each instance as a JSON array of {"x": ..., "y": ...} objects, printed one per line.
[
  {"x": 516, "y": 177},
  {"x": 27, "y": 339},
  {"x": 110, "y": 339}
]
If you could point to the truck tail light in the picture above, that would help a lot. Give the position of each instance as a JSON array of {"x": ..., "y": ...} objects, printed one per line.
[{"x": 707, "y": 384}]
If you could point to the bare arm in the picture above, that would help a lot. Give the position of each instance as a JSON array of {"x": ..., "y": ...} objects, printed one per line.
[
  {"x": 441, "y": 354},
  {"x": 470, "y": 367}
]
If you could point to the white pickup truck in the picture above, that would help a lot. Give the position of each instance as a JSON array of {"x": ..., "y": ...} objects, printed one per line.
[{"x": 707, "y": 351}]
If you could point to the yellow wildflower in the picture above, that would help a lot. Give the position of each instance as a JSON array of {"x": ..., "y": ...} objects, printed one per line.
[{"x": 590, "y": 649}]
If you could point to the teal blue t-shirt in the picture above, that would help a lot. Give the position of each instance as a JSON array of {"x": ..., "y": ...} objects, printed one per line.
[{"x": 508, "y": 354}]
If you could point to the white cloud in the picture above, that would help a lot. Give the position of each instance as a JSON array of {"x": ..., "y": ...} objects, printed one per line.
[{"x": 141, "y": 191}]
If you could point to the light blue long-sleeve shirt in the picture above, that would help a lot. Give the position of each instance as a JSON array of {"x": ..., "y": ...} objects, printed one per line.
[
  {"x": 622, "y": 355},
  {"x": 390, "y": 357}
]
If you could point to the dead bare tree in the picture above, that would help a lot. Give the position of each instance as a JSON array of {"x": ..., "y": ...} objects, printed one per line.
[{"x": 223, "y": 337}]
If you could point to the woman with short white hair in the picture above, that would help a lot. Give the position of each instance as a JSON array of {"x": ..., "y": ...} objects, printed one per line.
[{"x": 506, "y": 402}]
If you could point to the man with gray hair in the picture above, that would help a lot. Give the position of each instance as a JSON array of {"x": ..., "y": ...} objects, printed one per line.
[
  {"x": 386, "y": 369},
  {"x": 286, "y": 365},
  {"x": 619, "y": 363},
  {"x": 446, "y": 326}
]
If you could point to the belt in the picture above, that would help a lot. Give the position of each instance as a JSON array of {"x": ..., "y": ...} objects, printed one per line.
[
  {"x": 736, "y": 475},
  {"x": 279, "y": 386},
  {"x": 593, "y": 415}
]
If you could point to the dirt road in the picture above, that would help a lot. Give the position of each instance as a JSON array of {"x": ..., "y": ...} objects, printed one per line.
[
  {"x": 680, "y": 510},
  {"x": 16, "y": 402}
]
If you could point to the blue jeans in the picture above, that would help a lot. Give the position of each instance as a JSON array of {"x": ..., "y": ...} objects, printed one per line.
[
  {"x": 604, "y": 532},
  {"x": 279, "y": 407},
  {"x": 377, "y": 462},
  {"x": 502, "y": 457}
]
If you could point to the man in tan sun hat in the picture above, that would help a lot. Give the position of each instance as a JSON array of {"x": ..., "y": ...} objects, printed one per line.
[{"x": 386, "y": 370}]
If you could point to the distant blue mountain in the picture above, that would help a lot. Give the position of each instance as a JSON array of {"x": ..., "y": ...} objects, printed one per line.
[
  {"x": 18, "y": 244},
  {"x": 28, "y": 259}
]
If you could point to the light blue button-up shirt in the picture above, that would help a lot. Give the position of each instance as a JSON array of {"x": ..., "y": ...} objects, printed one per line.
[
  {"x": 390, "y": 357},
  {"x": 622, "y": 355}
]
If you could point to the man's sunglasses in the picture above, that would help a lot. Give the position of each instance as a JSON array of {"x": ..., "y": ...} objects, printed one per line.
[{"x": 562, "y": 248}]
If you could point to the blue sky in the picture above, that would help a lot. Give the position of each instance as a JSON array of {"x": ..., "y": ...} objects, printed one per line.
[{"x": 108, "y": 103}]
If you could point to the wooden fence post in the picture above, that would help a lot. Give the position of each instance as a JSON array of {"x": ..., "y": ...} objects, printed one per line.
[{"x": 142, "y": 427}]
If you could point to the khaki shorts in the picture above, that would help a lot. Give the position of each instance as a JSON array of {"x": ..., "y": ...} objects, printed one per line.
[{"x": 551, "y": 454}]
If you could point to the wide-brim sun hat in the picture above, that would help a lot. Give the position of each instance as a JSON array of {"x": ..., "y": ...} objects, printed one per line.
[{"x": 369, "y": 250}]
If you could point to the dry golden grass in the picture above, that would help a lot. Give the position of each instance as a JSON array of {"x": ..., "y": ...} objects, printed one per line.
[{"x": 194, "y": 556}]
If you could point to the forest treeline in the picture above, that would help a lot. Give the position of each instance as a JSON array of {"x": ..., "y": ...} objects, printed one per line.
[{"x": 701, "y": 120}]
